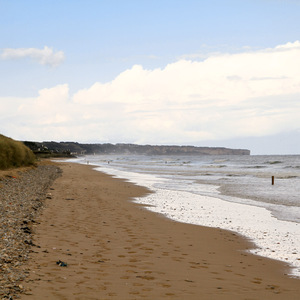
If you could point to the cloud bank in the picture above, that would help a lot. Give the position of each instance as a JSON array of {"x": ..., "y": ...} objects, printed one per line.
[
  {"x": 226, "y": 96},
  {"x": 45, "y": 56}
]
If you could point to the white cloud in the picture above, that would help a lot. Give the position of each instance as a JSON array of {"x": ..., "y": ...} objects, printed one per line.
[
  {"x": 226, "y": 96},
  {"x": 45, "y": 56}
]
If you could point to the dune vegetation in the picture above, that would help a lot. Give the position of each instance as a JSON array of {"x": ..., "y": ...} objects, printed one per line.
[{"x": 14, "y": 154}]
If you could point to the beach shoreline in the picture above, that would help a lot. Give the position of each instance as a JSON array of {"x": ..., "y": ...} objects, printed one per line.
[
  {"x": 116, "y": 249},
  {"x": 179, "y": 196}
]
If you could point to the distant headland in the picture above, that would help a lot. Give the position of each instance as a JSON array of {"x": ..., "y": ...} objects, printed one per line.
[{"x": 75, "y": 149}]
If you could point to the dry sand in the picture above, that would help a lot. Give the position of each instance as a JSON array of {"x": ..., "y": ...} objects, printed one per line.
[{"x": 115, "y": 249}]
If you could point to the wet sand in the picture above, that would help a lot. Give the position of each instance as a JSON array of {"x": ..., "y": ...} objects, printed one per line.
[{"x": 116, "y": 249}]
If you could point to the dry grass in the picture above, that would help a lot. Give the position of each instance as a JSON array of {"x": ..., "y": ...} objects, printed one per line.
[{"x": 14, "y": 154}]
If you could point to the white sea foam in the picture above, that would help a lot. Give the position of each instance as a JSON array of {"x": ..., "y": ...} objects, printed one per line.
[{"x": 274, "y": 238}]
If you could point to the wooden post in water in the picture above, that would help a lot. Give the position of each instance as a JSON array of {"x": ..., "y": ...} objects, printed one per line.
[{"x": 273, "y": 179}]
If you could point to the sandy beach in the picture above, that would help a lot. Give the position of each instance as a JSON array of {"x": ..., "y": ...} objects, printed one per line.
[{"x": 111, "y": 248}]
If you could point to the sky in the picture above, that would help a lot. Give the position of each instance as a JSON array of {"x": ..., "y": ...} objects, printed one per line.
[{"x": 218, "y": 73}]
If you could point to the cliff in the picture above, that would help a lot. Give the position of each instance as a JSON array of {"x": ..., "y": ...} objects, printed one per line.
[{"x": 79, "y": 149}]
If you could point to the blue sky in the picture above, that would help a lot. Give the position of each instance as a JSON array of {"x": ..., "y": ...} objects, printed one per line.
[{"x": 207, "y": 73}]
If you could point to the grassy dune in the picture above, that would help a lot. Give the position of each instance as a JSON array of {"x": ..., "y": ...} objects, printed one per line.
[{"x": 14, "y": 154}]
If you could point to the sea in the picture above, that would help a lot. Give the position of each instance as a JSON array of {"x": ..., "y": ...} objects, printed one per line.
[{"x": 228, "y": 192}]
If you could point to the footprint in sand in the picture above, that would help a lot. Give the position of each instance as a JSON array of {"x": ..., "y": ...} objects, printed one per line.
[
  {"x": 134, "y": 293},
  {"x": 169, "y": 294},
  {"x": 147, "y": 289},
  {"x": 137, "y": 284},
  {"x": 131, "y": 271},
  {"x": 133, "y": 260},
  {"x": 164, "y": 285},
  {"x": 177, "y": 258},
  {"x": 257, "y": 280},
  {"x": 238, "y": 274},
  {"x": 146, "y": 277}
]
